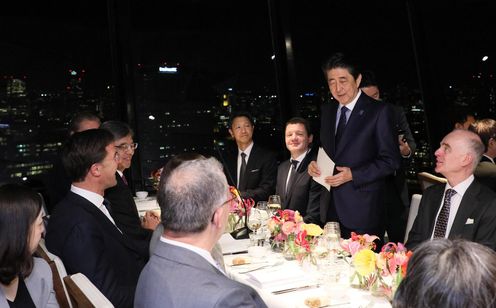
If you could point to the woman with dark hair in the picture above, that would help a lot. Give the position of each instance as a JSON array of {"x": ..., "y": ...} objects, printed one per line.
[{"x": 25, "y": 281}]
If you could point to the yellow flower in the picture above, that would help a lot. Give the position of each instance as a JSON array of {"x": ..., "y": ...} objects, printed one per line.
[
  {"x": 364, "y": 262},
  {"x": 312, "y": 229}
]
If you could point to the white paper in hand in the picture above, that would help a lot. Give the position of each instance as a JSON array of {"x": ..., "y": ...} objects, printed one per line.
[{"x": 326, "y": 166}]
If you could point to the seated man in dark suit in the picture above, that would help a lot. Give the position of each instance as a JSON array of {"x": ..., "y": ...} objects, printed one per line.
[
  {"x": 124, "y": 209},
  {"x": 293, "y": 181},
  {"x": 195, "y": 201},
  {"x": 461, "y": 208},
  {"x": 486, "y": 169},
  {"x": 82, "y": 232},
  {"x": 250, "y": 168}
]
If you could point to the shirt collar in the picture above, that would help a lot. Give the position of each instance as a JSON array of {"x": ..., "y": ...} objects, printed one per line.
[
  {"x": 490, "y": 158},
  {"x": 120, "y": 173},
  {"x": 352, "y": 104},
  {"x": 247, "y": 151},
  {"x": 92, "y": 197},
  {"x": 301, "y": 157},
  {"x": 202, "y": 252},
  {"x": 461, "y": 187}
]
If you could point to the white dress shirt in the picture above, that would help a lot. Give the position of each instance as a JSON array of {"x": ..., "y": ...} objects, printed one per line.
[
  {"x": 456, "y": 199},
  {"x": 95, "y": 199},
  {"x": 350, "y": 107},
  {"x": 299, "y": 159}
]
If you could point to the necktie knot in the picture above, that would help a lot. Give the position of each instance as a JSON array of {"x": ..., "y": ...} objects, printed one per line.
[
  {"x": 294, "y": 162},
  {"x": 243, "y": 155}
]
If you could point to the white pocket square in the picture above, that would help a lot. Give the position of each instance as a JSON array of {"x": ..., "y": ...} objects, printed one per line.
[
  {"x": 254, "y": 170},
  {"x": 470, "y": 221}
]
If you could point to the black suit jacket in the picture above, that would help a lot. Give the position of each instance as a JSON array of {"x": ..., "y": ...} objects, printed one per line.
[
  {"x": 297, "y": 197},
  {"x": 475, "y": 219},
  {"x": 369, "y": 147},
  {"x": 87, "y": 242},
  {"x": 261, "y": 169},
  {"x": 485, "y": 173},
  {"x": 125, "y": 214}
]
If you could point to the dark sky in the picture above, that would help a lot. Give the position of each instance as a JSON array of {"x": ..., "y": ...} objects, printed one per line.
[{"x": 43, "y": 40}]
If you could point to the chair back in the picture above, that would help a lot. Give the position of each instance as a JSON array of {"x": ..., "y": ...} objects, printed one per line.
[
  {"x": 58, "y": 273},
  {"x": 414, "y": 206},
  {"x": 427, "y": 179},
  {"x": 84, "y": 293}
]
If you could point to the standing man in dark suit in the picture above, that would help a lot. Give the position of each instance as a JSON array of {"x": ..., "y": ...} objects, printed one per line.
[
  {"x": 358, "y": 134},
  {"x": 250, "y": 168},
  {"x": 124, "y": 211},
  {"x": 461, "y": 208},
  {"x": 395, "y": 190},
  {"x": 82, "y": 232},
  {"x": 195, "y": 200},
  {"x": 293, "y": 181}
]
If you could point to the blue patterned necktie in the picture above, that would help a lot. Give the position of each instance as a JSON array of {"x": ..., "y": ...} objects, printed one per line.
[
  {"x": 442, "y": 219},
  {"x": 341, "y": 125}
]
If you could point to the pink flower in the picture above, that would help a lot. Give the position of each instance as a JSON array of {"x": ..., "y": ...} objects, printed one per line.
[{"x": 288, "y": 227}]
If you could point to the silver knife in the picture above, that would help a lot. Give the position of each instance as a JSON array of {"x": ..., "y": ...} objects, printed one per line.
[{"x": 295, "y": 289}]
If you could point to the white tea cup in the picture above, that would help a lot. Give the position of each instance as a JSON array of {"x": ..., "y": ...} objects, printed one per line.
[{"x": 141, "y": 194}]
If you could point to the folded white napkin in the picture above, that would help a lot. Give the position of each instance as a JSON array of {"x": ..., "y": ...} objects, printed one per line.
[{"x": 288, "y": 275}]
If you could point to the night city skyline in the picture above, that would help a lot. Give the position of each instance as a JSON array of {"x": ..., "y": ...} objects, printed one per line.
[{"x": 59, "y": 59}]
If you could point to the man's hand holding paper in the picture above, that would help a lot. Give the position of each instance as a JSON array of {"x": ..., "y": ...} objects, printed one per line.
[{"x": 322, "y": 171}]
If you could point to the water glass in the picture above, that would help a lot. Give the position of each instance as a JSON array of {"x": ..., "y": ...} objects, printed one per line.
[{"x": 332, "y": 233}]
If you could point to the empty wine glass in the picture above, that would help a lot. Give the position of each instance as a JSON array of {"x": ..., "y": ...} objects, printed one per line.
[{"x": 274, "y": 203}]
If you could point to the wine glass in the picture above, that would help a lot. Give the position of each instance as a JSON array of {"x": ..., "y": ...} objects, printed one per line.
[
  {"x": 274, "y": 203},
  {"x": 264, "y": 212},
  {"x": 254, "y": 220}
]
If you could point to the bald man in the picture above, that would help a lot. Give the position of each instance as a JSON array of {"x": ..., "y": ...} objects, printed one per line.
[{"x": 461, "y": 208}]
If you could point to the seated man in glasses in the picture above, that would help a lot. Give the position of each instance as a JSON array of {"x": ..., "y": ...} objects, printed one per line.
[
  {"x": 124, "y": 209},
  {"x": 195, "y": 200}
]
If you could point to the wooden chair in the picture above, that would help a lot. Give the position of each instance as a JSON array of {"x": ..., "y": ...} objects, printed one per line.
[
  {"x": 58, "y": 273},
  {"x": 84, "y": 293},
  {"x": 427, "y": 179},
  {"x": 412, "y": 214}
]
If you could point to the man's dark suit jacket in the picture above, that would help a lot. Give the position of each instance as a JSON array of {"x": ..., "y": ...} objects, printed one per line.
[
  {"x": 485, "y": 173},
  {"x": 369, "y": 147},
  {"x": 475, "y": 219},
  {"x": 87, "y": 242},
  {"x": 297, "y": 197},
  {"x": 125, "y": 214},
  {"x": 260, "y": 177}
]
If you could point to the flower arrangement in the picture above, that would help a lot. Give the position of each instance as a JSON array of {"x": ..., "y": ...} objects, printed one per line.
[
  {"x": 239, "y": 210},
  {"x": 358, "y": 242},
  {"x": 287, "y": 227},
  {"x": 155, "y": 177},
  {"x": 382, "y": 272}
]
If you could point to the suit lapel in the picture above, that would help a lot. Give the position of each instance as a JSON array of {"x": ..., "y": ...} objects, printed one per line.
[
  {"x": 251, "y": 164},
  {"x": 433, "y": 207},
  {"x": 467, "y": 206},
  {"x": 104, "y": 222}
]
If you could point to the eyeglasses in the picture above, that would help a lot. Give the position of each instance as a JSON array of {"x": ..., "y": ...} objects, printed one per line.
[
  {"x": 228, "y": 201},
  {"x": 117, "y": 156},
  {"x": 127, "y": 146}
]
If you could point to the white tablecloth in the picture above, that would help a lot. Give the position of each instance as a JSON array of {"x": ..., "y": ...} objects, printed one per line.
[{"x": 341, "y": 295}]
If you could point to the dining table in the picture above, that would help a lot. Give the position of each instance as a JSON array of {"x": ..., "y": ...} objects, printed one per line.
[{"x": 291, "y": 283}]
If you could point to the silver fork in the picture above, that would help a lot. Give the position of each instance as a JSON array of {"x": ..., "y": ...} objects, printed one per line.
[{"x": 260, "y": 267}]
